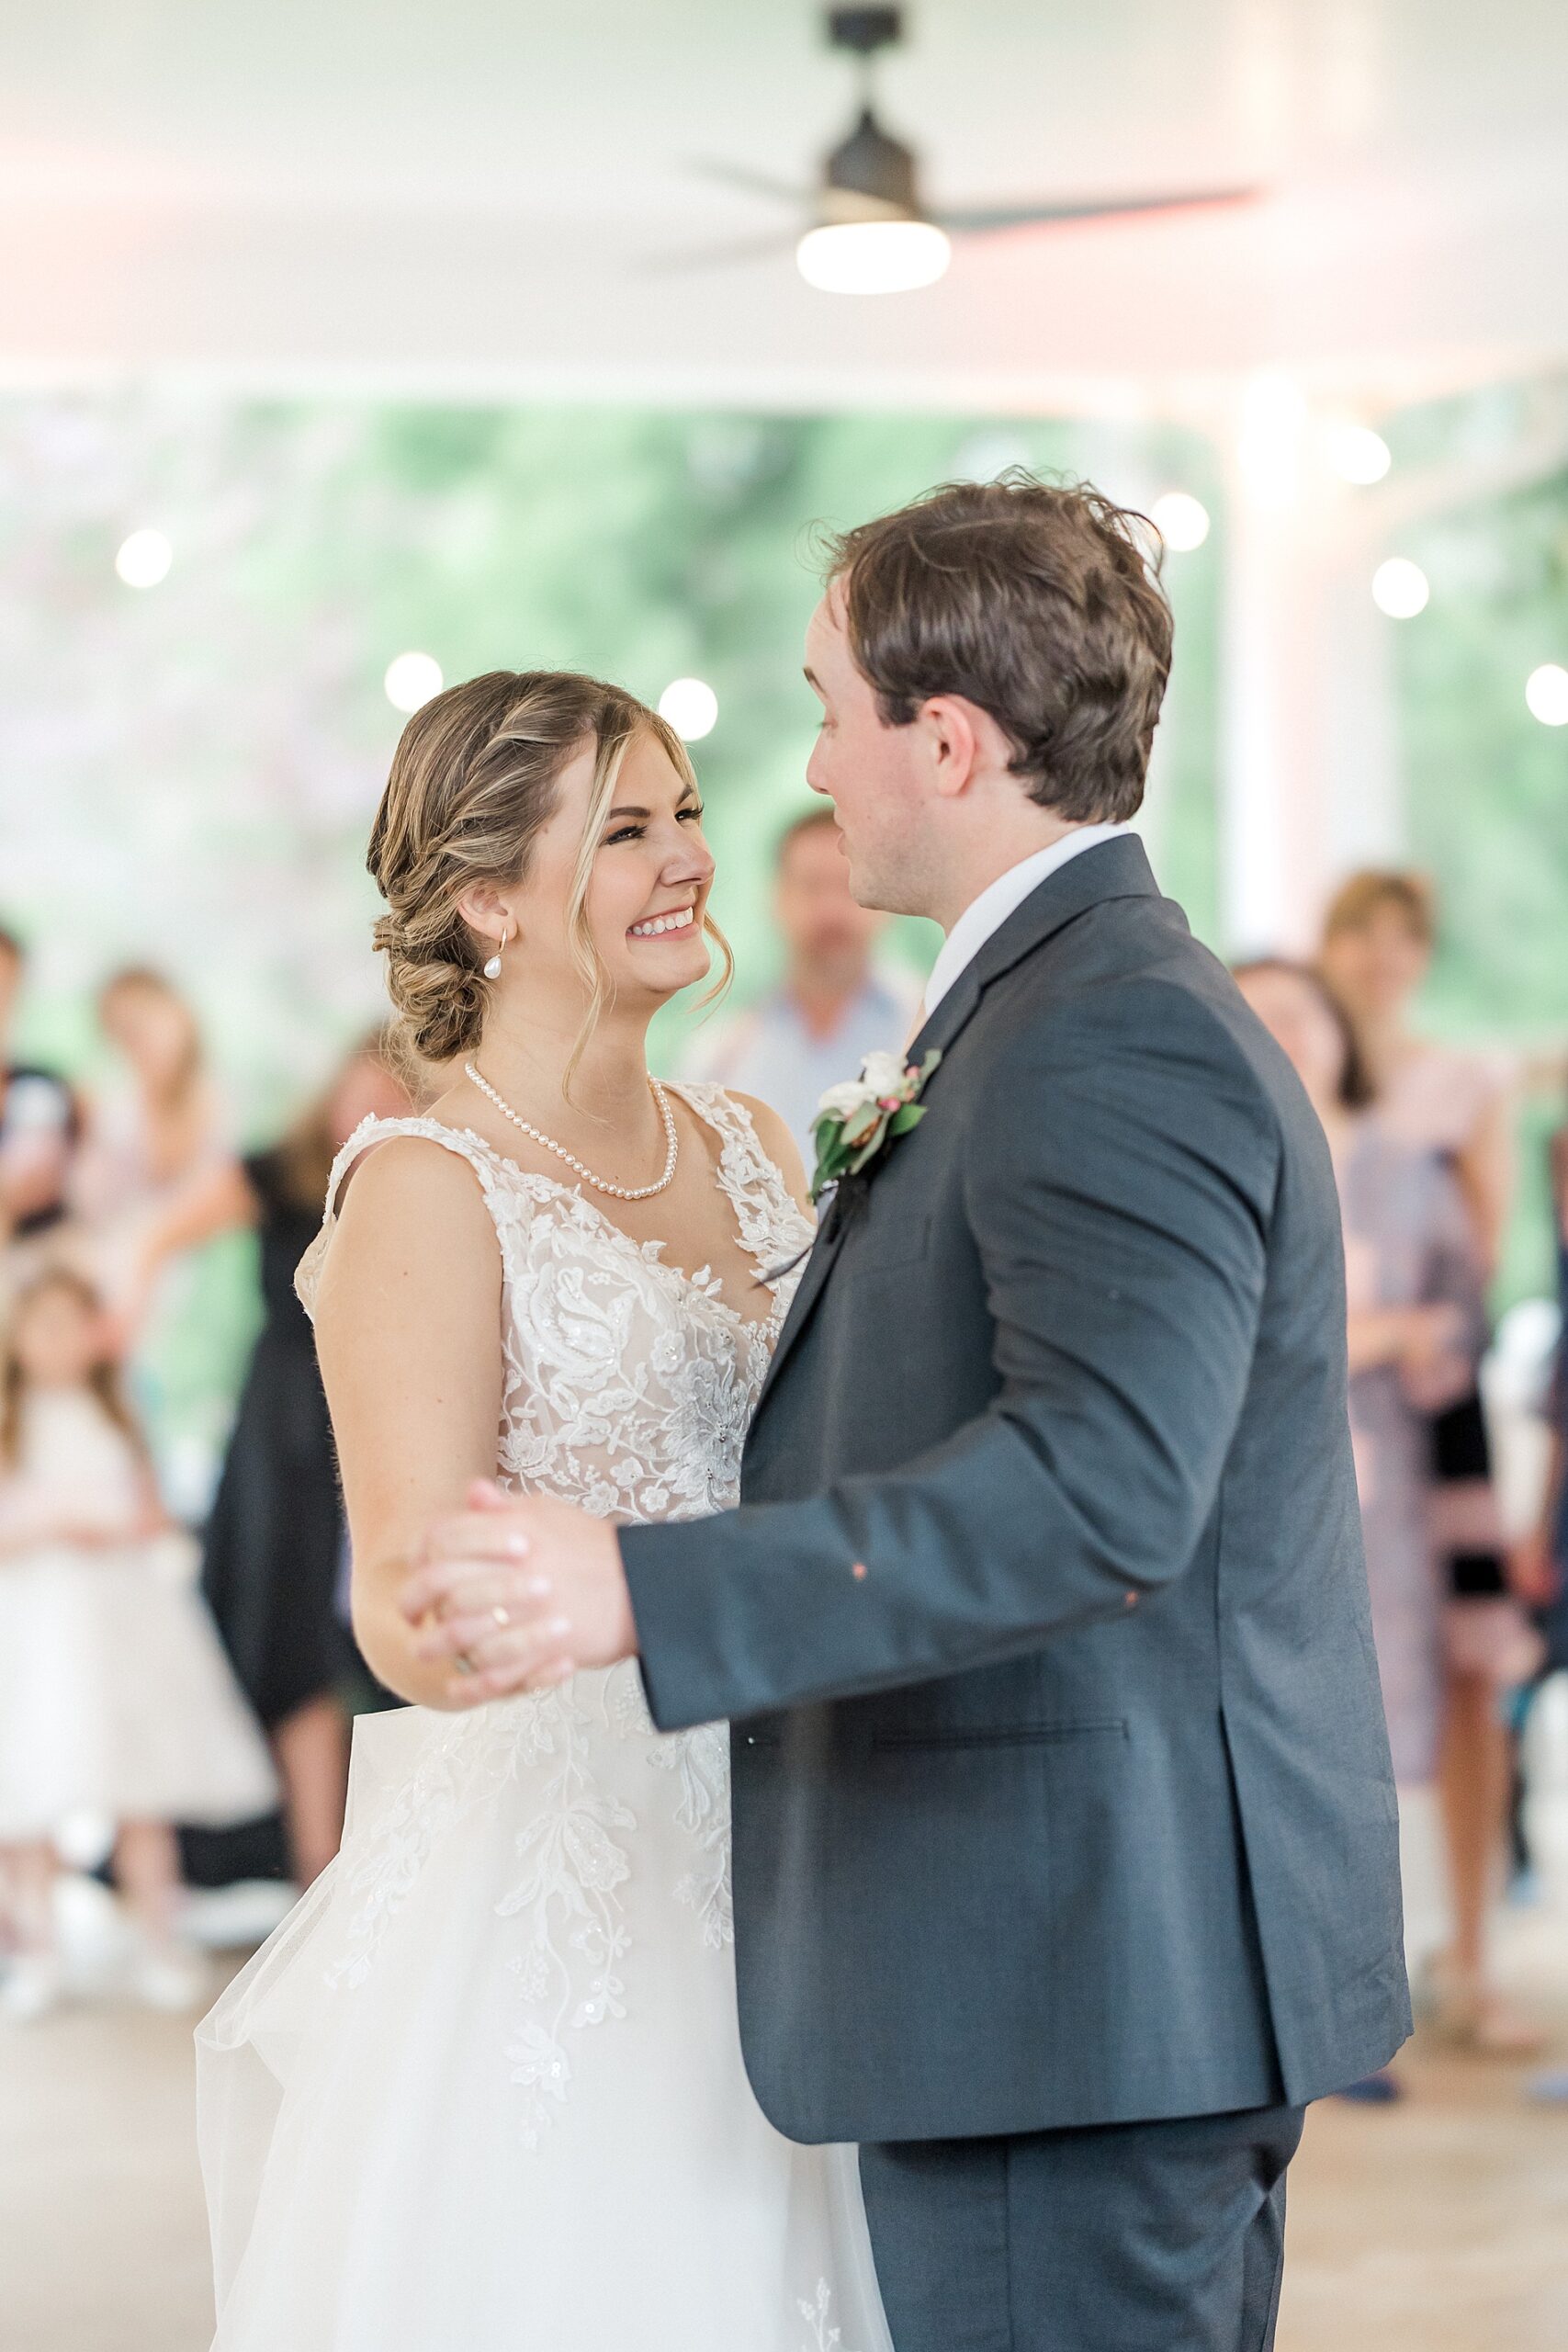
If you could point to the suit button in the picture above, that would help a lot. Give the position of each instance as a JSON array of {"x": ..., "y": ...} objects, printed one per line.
[
  {"x": 1132, "y": 1600},
  {"x": 859, "y": 1571}
]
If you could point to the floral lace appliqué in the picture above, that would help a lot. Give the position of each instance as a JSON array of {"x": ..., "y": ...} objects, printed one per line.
[
  {"x": 628, "y": 1389},
  {"x": 573, "y": 1857},
  {"x": 825, "y": 2333}
]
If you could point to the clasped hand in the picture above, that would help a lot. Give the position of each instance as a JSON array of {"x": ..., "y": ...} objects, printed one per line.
[{"x": 517, "y": 1593}]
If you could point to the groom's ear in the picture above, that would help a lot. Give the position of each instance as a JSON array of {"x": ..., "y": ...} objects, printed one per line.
[{"x": 961, "y": 742}]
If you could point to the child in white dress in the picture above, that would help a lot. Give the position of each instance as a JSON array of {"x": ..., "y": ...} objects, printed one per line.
[{"x": 115, "y": 1695}]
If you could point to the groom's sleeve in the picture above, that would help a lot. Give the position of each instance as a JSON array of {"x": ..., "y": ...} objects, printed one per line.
[{"x": 1119, "y": 1198}]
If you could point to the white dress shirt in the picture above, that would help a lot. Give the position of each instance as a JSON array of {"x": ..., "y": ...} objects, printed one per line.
[{"x": 987, "y": 913}]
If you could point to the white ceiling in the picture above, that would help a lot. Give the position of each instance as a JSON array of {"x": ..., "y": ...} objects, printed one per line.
[{"x": 458, "y": 197}]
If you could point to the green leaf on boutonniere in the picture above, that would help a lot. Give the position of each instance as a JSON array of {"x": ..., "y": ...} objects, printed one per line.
[{"x": 860, "y": 1118}]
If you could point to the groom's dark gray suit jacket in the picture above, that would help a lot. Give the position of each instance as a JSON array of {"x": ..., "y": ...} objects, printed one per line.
[{"x": 1062, "y": 1786}]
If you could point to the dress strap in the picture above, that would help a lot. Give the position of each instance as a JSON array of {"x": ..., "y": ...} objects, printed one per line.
[
  {"x": 769, "y": 1219},
  {"x": 371, "y": 1132}
]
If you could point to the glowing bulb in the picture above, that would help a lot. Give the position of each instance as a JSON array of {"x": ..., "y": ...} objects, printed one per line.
[
  {"x": 1400, "y": 588},
  {"x": 1181, "y": 521},
  {"x": 1546, "y": 693},
  {"x": 691, "y": 708},
  {"x": 145, "y": 560},
  {"x": 411, "y": 680},
  {"x": 873, "y": 257},
  {"x": 1356, "y": 454}
]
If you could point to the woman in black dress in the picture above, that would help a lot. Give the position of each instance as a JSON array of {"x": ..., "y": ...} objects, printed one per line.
[{"x": 273, "y": 1551}]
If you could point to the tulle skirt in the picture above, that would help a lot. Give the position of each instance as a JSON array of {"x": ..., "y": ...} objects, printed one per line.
[
  {"x": 115, "y": 1694},
  {"x": 483, "y": 2089}
]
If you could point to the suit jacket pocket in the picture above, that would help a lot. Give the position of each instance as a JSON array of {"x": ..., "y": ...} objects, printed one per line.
[{"x": 898, "y": 1242}]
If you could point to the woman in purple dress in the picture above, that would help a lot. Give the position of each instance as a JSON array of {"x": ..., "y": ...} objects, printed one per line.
[
  {"x": 1416, "y": 1328},
  {"x": 1379, "y": 935}
]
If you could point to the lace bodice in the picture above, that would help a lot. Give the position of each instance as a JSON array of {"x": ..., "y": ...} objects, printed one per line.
[
  {"x": 523, "y": 1941},
  {"x": 628, "y": 1387},
  {"x": 629, "y": 1382}
]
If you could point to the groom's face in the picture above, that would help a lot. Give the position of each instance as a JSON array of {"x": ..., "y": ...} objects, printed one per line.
[{"x": 867, "y": 769}]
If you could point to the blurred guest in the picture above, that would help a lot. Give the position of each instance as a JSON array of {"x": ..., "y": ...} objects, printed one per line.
[
  {"x": 1541, "y": 1560},
  {"x": 833, "y": 1005},
  {"x": 1541, "y": 1566},
  {"x": 39, "y": 1122},
  {"x": 1377, "y": 947},
  {"x": 1378, "y": 937},
  {"x": 274, "y": 1537},
  {"x": 155, "y": 1131},
  {"x": 115, "y": 1697},
  {"x": 1415, "y": 1331}
]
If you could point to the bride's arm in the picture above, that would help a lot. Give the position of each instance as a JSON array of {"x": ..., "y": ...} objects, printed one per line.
[{"x": 408, "y": 1332}]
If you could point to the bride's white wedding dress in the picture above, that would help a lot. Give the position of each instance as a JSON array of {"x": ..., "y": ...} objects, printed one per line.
[{"x": 483, "y": 2090}]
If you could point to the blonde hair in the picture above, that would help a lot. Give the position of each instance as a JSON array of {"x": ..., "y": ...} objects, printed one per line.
[
  {"x": 1376, "y": 889},
  {"x": 175, "y": 1094},
  {"x": 474, "y": 780}
]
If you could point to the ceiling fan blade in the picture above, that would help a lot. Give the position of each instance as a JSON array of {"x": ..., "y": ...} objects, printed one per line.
[
  {"x": 976, "y": 220},
  {"x": 754, "y": 183},
  {"x": 726, "y": 256}
]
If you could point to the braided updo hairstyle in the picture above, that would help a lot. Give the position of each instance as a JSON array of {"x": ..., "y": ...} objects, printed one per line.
[{"x": 473, "y": 781}]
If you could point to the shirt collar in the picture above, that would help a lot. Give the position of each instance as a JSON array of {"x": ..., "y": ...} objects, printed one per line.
[{"x": 987, "y": 914}]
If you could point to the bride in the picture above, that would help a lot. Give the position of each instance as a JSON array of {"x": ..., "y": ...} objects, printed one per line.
[{"x": 483, "y": 2087}]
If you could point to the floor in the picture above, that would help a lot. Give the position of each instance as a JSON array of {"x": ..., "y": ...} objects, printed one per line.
[{"x": 1437, "y": 2226}]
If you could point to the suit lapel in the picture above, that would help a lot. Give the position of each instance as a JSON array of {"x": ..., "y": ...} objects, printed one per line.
[
  {"x": 1113, "y": 869},
  {"x": 824, "y": 1249}
]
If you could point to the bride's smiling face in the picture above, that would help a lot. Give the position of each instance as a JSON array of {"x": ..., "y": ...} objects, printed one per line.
[{"x": 648, "y": 883}]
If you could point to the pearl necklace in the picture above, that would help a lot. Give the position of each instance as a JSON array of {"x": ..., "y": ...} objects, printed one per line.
[{"x": 618, "y": 1192}]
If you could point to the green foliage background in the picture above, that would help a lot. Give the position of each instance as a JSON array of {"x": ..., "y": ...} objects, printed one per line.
[
  {"x": 188, "y": 773},
  {"x": 1485, "y": 784}
]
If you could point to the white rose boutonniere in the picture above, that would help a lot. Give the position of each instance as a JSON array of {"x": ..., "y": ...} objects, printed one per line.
[{"x": 857, "y": 1120}]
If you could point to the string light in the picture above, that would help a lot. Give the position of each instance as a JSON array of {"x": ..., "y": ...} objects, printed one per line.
[
  {"x": 1356, "y": 454},
  {"x": 1546, "y": 694},
  {"x": 144, "y": 559},
  {"x": 1400, "y": 588},
  {"x": 690, "y": 707},
  {"x": 1181, "y": 520},
  {"x": 411, "y": 680}
]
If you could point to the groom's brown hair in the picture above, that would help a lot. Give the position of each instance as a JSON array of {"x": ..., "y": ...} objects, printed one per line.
[{"x": 1040, "y": 602}]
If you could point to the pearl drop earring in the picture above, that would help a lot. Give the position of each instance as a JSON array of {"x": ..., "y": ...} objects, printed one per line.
[{"x": 492, "y": 968}]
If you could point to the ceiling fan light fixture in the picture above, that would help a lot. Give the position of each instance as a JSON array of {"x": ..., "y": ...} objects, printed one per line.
[{"x": 873, "y": 257}]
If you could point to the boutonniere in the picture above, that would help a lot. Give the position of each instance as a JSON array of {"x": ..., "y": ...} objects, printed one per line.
[{"x": 858, "y": 1120}]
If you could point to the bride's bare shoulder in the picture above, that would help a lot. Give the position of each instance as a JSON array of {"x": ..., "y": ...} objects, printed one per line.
[{"x": 412, "y": 1204}]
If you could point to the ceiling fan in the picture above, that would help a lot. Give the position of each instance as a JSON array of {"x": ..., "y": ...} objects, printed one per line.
[{"x": 869, "y": 232}]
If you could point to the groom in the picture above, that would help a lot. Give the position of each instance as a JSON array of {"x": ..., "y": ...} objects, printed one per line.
[{"x": 1066, "y": 1863}]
